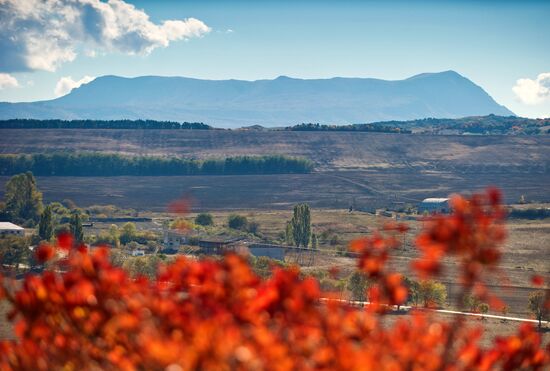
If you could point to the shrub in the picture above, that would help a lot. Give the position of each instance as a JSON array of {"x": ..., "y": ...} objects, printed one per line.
[
  {"x": 358, "y": 284},
  {"x": 204, "y": 219},
  {"x": 235, "y": 221},
  {"x": 483, "y": 308},
  {"x": 253, "y": 227}
]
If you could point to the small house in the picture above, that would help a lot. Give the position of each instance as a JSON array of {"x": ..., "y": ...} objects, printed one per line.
[{"x": 173, "y": 239}]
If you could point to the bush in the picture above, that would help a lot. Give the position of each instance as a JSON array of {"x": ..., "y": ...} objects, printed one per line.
[
  {"x": 204, "y": 219},
  {"x": 253, "y": 227},
  {"x": 235, "y": 221},
  {"x": 472, "y": 303},
  {"x": 263, "y": 266}
]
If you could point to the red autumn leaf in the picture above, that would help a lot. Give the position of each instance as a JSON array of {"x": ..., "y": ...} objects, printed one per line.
[
  {"x": 44, "y": 253},
  {"x": 537, "y": 280},
  {"x": 181, "y": 206}
]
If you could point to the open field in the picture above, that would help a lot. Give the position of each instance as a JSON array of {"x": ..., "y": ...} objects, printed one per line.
[
  {"x": 330, "y": 150},
  {"x": 363, "y": 189},
  {"x": 367, "y": 170}
]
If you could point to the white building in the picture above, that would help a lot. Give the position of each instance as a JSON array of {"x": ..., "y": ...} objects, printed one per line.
[
  {"x": 138, "y": 252},
  {"x": 434, "y": 205},
  {"x": 173, "y": 239},
  {"x": 10, "y": 229}
]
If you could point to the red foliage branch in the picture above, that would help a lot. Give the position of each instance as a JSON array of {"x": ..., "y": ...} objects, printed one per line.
[{"x": 217, "y": 314}]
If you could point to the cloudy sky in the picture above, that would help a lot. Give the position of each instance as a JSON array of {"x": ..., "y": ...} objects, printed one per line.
[{"x": 49, "y": 47}]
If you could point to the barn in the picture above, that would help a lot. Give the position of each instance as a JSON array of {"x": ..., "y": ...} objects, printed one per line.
[{"x": 434, "y": 205}]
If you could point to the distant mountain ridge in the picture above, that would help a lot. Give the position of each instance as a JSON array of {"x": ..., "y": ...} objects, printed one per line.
[{"x": 282, "y": 101}]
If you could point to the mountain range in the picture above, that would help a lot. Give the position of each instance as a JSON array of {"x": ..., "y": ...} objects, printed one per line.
[{"x": 277, "y": 102}]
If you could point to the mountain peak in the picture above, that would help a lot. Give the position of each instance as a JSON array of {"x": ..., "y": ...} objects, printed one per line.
[{"x": 442, "y": 74}]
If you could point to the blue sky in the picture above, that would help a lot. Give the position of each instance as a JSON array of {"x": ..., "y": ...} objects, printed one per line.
[{"x": 493, "y": 43}]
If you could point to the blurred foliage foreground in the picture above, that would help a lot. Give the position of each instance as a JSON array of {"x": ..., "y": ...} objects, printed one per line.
[{"x": 83, "y": 313}]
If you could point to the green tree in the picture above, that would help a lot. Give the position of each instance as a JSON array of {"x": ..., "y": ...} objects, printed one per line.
[
  {"x": 358, "y": 285},
  {"x": 60, "y": 213},
  {"x": 314, "y": 240},
  {"x": 76, "y": 227},
  {"x": 301, "y": 225},
  {"x": 289, "y": 235},
  {"x": 128, "y": 234},
  {"x": 432, "y": 293},
  {"x": 537, "y": 306},
  {"x": 414, "y": 291},
  {"x": 204, "y": 219},
  {"x": 14, "y": 250},
  {"x": 142, "y": 265},
  {"x": 235, "y": 221},
  {"x": 46, "y": 227},
  {"x": 115, "y": 235},
  {"x": 23, "y": 199}
]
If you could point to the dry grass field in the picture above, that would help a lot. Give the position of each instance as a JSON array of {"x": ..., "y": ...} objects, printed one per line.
[
  {"x": 367, "y": 170},
  {"x": 365, "y": 190},
  {"x": 330, "y": 150}
]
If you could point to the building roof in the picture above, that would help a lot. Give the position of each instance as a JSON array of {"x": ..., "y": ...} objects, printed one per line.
[
  {"x": 435, "y": 200},
  {"x": 10, "y": 226}
]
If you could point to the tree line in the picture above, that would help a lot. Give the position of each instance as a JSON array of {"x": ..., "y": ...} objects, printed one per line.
[
  {"x": 102, "y": 164},
  {"x": 374, "y": 128},
  {"x": 100, "y": 124}
]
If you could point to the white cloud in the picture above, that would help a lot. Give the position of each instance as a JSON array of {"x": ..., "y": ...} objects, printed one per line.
[
  {"x": 7, "y": 81},
  {"x": 66, "y": 84},
  {"x": 41, "y": 35},
  {"x": 533, "y": 91}
]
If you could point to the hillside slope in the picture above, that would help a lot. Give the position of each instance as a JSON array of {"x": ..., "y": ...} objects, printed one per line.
[
  {"x": 282, "y": 101},
  {"x": 329, "y": 150}
]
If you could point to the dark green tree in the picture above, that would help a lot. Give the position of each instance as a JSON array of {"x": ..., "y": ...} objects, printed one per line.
[
  {"x": 45, "y": 227},
  {"x": 289, "y": 236},
  {"x": 204, "y": 219},
  {"x": 23, "y": 199},
  {"x": 76, "y": 227},
  {"x": 237, "y": 221},
  {"x": 301, "y": 225},
  {"x": 14, "y": 250}
]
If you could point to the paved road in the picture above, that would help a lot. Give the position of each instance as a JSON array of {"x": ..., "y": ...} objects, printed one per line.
[{"x": 408, "y": 308}]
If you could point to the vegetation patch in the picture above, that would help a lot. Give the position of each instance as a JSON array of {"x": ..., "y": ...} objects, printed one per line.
[{"x": 104, "y": 164}]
